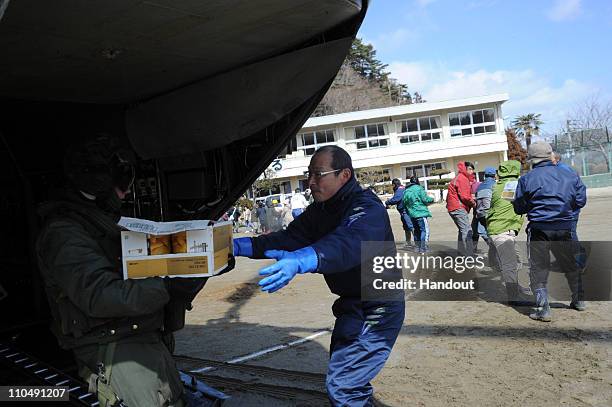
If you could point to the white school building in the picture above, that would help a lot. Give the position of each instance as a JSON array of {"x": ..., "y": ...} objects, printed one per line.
[{"x": 405, "y": 140}]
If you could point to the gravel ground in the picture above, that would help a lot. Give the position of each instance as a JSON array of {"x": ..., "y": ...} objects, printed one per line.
[{"x": 469, "y": 353}]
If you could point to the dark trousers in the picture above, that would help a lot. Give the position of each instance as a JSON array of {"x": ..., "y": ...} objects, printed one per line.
[
  {"x": 580, "y": 251},
  {"x": 363, "y": 336},
  {"x": 562, "y": 245},
  {"x": 421, "y": 233},
  {"x": 406, "y": 221},
  {"x": 479, "y": 229}
]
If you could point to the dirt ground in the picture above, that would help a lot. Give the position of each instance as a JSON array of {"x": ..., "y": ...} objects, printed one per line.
[{"x": 474, "y": 353}]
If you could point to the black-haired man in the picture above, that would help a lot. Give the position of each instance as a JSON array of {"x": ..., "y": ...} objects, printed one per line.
[
  {"x": 327, "y": 239},
  {"x": 459, "y": 201}
]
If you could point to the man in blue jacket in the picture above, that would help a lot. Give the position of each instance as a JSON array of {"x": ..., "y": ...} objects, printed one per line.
[
  {"x": 549, "y": 196},
  {"x": 397, "y": 199},
  {"x": 326, "y": 239}
]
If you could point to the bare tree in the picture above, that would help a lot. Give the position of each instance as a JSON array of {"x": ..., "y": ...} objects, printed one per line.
[
  {"x": 591, "y": 123},
  {"x": 351, "y": 92}
]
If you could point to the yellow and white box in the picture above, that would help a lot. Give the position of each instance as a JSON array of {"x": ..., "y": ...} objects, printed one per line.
[{"x": 177, "y": 249}]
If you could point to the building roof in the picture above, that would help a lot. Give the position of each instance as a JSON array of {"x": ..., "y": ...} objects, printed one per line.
[{"x": 403, "y": 110}]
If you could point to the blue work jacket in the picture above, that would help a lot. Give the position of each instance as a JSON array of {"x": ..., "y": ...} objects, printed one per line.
[
  {"x": 397, "y": 199},
  {"x": 335, "y": 229},
  {"x": 550, "y": 196}
]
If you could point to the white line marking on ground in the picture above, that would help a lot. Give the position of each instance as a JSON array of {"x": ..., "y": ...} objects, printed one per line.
[{"x": 266, "y": 351}]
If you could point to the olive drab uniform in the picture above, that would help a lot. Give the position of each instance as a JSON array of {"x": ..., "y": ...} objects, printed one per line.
[{"x": 113, "y": 326}]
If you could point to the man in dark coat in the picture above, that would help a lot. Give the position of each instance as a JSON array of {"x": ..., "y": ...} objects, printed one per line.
[
  {"x": 114, "y": 327},
  {"x": 550, "y": 196},
  {"x": 327, "y": 239}
]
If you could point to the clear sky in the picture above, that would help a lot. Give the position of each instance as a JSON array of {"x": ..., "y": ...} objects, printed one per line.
[{"x": 548, "y": 55}]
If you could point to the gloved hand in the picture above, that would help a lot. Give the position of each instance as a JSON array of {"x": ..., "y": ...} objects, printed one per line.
[
  {"x": 243, "y": 246},
  {"x": 288, "y": 265},
  {"x": 184, "y": 288}
]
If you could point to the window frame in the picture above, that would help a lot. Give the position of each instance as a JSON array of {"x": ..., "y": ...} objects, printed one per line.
[
  {"x": 418, "y": 133},
  {"x": 422, "y": 168},
  {"x": 314, "y": 147},
  {"x": 367, "y": 139},
  {"x": 462, "y": 129}
]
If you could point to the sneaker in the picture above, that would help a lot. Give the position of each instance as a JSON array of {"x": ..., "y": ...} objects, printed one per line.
[{"x": 541, "y": 314}]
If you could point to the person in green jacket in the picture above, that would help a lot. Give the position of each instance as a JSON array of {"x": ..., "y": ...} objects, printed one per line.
[
  {"x": 114, "y": 327},
  {"x": 415, "y": 201},
  {"x": 503, "y": 225}
]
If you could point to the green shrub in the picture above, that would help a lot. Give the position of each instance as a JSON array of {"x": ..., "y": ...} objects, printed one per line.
[{"x": 245, "y": 203}]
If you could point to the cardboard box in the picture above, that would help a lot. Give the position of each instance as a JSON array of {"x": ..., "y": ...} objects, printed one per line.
[{"x": 205, "y": 248}]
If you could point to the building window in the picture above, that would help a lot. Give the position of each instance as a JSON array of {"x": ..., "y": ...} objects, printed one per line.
[
  {"x": 311, "y": 141},
  {"x": 386, "y": 174},
  {"x": 423, "y": 170},
  {"x": 369, "y": 136},
  {"x": 419, "y": 129},
  {"x": 414, "y": 170},
  {"x": 472, "y": 123}
]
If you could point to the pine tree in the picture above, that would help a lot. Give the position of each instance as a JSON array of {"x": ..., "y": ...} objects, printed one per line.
[{"x": 370, "y": 87}]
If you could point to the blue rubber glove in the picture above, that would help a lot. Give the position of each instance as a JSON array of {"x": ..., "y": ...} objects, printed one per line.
[
  {"x": 243, "y": 246},
  {"x": 287, "y": 266}
]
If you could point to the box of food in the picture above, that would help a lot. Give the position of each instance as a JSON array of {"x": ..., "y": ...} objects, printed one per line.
[{"x": 198, "y": 248}]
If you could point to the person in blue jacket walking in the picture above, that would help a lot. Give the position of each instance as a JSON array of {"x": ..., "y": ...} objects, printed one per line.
[
  {"x": 326, "y": 239},
  {"x": 397, "y": 200},
  {"x": 550, "y": 195}
]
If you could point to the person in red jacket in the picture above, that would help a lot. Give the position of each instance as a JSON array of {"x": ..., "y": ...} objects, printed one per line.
[{"x": 459, "y": 201}]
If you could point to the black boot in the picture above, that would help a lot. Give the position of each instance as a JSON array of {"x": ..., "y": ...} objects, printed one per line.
[
  {"x": 577, "y": 302},
  {"x": 518, "y": 296},
  {"x": 574, "y": 280}
]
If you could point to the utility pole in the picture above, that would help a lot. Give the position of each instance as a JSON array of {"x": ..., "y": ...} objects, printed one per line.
[
  {"x": 609, "y": 150},
  {"x": 569, "y": 137}
]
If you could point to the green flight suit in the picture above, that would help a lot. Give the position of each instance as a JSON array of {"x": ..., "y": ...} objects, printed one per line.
[{"x": 79, "y": 256}]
